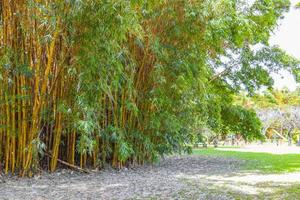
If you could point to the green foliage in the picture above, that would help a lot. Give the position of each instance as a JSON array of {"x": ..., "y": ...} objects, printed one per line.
[
  {"x": 144, "y": 78},
  {"x": 270, "y": 99},
  {"x": 241, "y": 121},
  {"x": 188, "y": 42}
]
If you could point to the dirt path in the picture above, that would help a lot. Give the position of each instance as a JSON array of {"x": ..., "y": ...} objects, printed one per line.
[{"x": 184, "y": 177}]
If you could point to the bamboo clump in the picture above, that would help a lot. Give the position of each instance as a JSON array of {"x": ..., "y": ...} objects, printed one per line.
[
  {"x": 90, "y": 83},
  {"x": 36, "y": 88}
]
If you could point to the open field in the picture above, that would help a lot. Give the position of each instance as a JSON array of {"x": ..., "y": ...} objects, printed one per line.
[{"x": 262, "y": 161}]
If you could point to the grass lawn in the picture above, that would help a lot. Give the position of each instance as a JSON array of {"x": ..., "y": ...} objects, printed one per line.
[{"x": 264, "y": 162}]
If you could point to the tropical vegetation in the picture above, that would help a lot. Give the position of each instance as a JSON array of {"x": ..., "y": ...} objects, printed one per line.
[{"x": 94, "y": 82}]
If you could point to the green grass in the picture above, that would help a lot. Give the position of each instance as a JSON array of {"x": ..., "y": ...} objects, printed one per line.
[{"x": 264, "y": 162}]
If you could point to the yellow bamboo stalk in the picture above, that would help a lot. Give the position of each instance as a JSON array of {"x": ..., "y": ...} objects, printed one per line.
[{"x": 39, "y": 100}]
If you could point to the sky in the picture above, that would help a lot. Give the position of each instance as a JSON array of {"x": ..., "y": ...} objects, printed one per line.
[{"x": 287, "y": 37}]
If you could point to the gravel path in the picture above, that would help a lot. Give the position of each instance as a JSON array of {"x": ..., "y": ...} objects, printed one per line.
[{"x": 163, "y": 181}]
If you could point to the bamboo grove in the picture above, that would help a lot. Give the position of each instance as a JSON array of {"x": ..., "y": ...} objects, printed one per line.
[{"x": 120, "y": 82}]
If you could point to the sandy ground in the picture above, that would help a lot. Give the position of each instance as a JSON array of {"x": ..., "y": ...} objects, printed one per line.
[
  {"x": 176, "y": 177},
  {"x": 167, "y": 180}
]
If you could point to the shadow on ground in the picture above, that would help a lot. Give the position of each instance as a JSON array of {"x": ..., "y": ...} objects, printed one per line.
[{"x": 176, "y": 177}]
